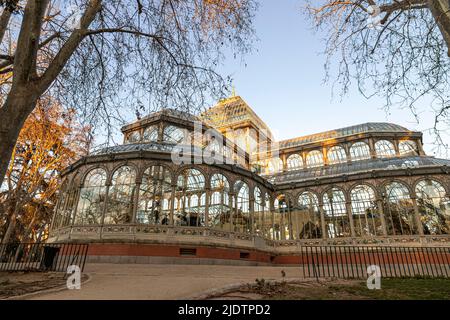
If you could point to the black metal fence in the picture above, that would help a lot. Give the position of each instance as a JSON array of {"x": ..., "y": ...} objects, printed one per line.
[
  {"x": 42, "y": 256},
  {"x": 351, "y": 262}
]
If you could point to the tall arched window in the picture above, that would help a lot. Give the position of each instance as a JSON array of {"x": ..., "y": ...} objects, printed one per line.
[
  {"x": 155, "y": 195},
  {"x": 71, "y": 201},
  {"x": 336, "y": 215},
  {"x": 399, "y": 210},
  {"x": 384, "y": 149},
  {"x": 359, "y": 151},
  {"x": 364, "y": 210},
  {"x": 150, "y": 134},
  {"x": 173, "y": 134},
  {"x": 336, "y": 154},
  {"x": 92, "y": 198},
  {"x": 314, "y": 159},
  {"x": 282, "y": 223},
  {"x": 434, "y": 207},
  {"x": 407, "y": 148},
  {"x": 309, "y": 214},
  {"x": 258, "y": 216},
  {"x": 275, "y": 165},
  {"x": 294, "y": 162},
  {"x": 219, "y": 208},
  {"x": 120, "y": 196},
  {"x": 190, "y": 192},
  {"x": 241, "y": 220}
]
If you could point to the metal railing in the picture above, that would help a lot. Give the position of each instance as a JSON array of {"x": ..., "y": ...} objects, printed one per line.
[
  {"x": 42, "y": 256},
  {"x": 351, "y": 262}
]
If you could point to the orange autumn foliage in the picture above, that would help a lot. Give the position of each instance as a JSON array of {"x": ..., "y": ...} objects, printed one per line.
[{"x": 49, "y": 141}]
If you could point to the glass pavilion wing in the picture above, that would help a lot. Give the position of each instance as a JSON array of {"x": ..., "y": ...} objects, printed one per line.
[
  {"x": 358, "y": 166},
  {"x": 343, "y": 132}
]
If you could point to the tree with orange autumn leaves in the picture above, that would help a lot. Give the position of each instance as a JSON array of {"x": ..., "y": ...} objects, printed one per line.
[{"x": 49, "y": 141}]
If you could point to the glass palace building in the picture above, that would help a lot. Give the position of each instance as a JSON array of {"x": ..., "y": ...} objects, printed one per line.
[{"x": 217, "y": 187}]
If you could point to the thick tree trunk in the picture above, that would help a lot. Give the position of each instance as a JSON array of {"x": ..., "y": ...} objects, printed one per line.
[
  {"x": 12, "y": 117},
  {"x": 441, "y": 13}
]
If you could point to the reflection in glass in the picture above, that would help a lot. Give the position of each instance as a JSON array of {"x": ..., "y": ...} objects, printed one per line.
[
  {"x": 314, "y": 159},
  {"x": 434, "y": 207},
  {"x": 173, "y": 134},
  {"x": 294, "y": 162},
  {"x": 384, "y": 149},
  {"x": 241, "y": 219},
  {"x": 336, "y": 155},
  {"x": 150, "y": 134},
  {"x": 364, "y": 210},
  {"x": 120, "y": 196},
  {"x": 154, "y": 196},
  {"x": 190, "y": 199},
  {"x": 309, "y": 216},
  {"x": 335, "y": 212},
  {"x": 407, "y": 147},
  {"x": 219, "y": 208},
  {"x": 92, "y": 198},
  {"x": 399, "y": 210},
  {"x": 359, "y": 151}
]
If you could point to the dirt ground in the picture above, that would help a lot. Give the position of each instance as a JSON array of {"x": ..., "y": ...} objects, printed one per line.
[
  {"x": 391, "y": 289},
  {"x": 19, "y": 283}
]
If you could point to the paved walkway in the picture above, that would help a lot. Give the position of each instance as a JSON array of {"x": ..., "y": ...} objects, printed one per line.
[{"x": 150, "y": 281}]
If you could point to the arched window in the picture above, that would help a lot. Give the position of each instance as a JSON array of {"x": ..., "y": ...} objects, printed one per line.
[
  {"x": 434, "y": 207},
  {"x": 384, "y": 149},
  {"x": 150, "y": 134},
  {"x": 275, "y": 165},
  {"x": 155, "y": 194},
  {"x": 294, "y": 162},
  {"x": 134, "y": 137},
  {"x": 399, "y": 210},
  {"x": 407, "y": 148},
  {"x": 359, "y": 151},
  {"x": 309, "y": 214},
  {"x": 173, "y": 134},
  {"x": 336, "y": 216},
  {"x": 92, "y": 198},
  {"x": 314, "y": 159},
  {"x": 219, "y": 207},
  {"x": 259, "y": 211},
  {"x": 365, "y": 214},
  {"x": 191, "y": 182},
  {"x": 120, "y": 196},
  {"x": 241, "y": 219},
  {"x": 336, "y": 154},
  {"x": 282, "y": 218}
]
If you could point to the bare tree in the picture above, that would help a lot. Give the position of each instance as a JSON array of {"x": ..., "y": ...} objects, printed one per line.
[
  {"x": 396, "y": 49},
  {"x": 101, "y": 57}
]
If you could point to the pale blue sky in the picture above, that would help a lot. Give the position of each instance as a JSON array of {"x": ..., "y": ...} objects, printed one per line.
[{"x": 283, "y": 80}]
